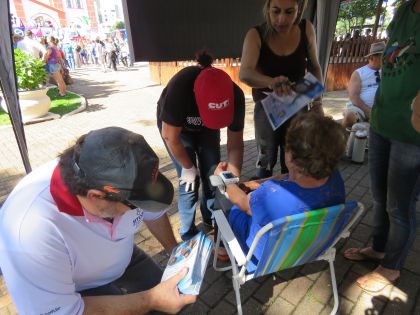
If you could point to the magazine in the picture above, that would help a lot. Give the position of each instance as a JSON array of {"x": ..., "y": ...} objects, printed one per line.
[
  {"x": 281, "y": 108},
  {"x": 194, "y": 254}
]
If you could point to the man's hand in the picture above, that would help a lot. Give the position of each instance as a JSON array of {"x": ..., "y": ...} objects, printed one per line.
[
  {"x": 221, "y": 167},
  {"x": 165, "y": 297},
  {"x": 367, "y": 114},
  {"x": 188, "y": 176},
  {"x": 415, "y": 117}
]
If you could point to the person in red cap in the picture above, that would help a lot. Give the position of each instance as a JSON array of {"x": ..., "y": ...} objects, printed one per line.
[{"x": 197, "y": 102}]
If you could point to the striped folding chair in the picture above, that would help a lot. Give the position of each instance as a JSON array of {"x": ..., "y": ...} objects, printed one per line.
[{"x": 292, "y": 241}]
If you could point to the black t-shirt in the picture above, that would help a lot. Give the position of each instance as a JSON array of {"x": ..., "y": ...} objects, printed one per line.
[{"x": 177, "y": 105}]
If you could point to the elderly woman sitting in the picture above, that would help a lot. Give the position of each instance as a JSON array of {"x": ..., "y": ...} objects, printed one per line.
[{"x": 314, "y": 144}]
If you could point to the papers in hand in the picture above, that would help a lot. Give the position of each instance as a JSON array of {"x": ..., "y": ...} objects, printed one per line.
[
  {"x": 193, "y": 254},
  {"x": 281, "y": 108}
]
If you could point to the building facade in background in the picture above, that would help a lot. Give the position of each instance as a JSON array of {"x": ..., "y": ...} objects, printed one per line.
[{"x": 65, "y": 18}]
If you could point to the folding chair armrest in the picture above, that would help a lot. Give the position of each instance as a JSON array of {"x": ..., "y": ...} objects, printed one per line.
[{"x": 228, "y": 237}]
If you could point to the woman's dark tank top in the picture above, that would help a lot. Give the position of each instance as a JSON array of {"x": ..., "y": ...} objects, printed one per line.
[{"x": 292, "y": 66}]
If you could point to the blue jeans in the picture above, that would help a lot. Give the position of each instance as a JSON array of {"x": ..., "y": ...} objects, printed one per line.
[
  {"x": 70, "y": 60},
  {"x": 203, "y": 148},
  {"x": 394, "y": 169}
]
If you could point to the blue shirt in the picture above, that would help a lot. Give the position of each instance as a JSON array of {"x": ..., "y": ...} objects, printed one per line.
[{"x": 275, "y": 199}]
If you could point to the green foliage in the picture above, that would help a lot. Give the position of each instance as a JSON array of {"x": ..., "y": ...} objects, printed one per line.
[
  {"x": 354, "y": 13},
  {"x": 30, "y": 71},
  {"x": 118, "y": 26}
]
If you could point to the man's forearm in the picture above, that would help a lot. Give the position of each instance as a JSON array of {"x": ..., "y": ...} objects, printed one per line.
[
  {"x": 357, "y": 101},
  {"x": 129, "y": 304},
  {"x": 239, "y": 198},
  {"x": 179, "y": 153},
  {"x": 162, "y": 230}
]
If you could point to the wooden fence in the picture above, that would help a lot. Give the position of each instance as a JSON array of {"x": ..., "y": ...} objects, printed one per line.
[{"x": 345, "y": 57}]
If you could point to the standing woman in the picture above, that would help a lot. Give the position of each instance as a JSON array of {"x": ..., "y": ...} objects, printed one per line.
[
  {"x": 394, "y": 153},
  {"x": 274, "y": 54},
  {"x": 197, "y": 102},
  {"x": 54, "y": 61}
]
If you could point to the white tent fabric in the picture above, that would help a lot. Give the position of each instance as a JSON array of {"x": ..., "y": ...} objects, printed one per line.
[
  {"x": 8, "y": 81},
  {"x": 326, "y": 20}
]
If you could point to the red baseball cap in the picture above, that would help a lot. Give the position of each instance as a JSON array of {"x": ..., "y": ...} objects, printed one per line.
[{"x": 213, "y": 90}]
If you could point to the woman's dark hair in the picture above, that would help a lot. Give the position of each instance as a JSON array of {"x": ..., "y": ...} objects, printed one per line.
[
  {"x": 203, "y": 58},
  {"x": 76, "y": 184},
  {"x": 316, "y": 144}
]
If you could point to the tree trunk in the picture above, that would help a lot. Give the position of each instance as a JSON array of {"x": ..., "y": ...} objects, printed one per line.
[{"x": 378, "y": 16}]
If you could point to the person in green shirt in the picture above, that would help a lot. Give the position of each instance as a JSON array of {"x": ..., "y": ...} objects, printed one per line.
[{"x": 394, "y": 154}]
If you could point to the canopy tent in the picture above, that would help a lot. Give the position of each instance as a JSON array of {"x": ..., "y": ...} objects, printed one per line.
[
  {"x": 8, "y": 81},
  {"x": 219, "y": 26},
  {"x": 224, "y": 21}
]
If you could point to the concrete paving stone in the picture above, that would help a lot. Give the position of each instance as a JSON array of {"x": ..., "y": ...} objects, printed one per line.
[
  {"x": 296, "y": 289},
  {"x": 289, "y": 273},
  {"x": 151, "y": 246},
  {"x": 412, "y": 262},
  {"x": 359, "y": 191},
  {"x": 342, "y": 267},
  {"x": 279, "y": 306},
  {"x": 368, "y": 305},
  {"x": 5, "y": 300},
  {"x": 321, "y": 291},
  {"x": 350, "y": 290},
  {"x": 270, "y": 290},
  {"x": 363, "y": 268},
  {"x": 252, "y": 307},
  {"x": 344, "y": 306},
  {"x": 313, "y": 270},
  {"x": 4, "y": 310},
  {"x": 246, "y": 290},
  {"x": 309, "y": 305},
  {"x": 217, "y": 291},
  {"x": 362, "y": 233},
  {"x": 223, "y": 307},
  {"x": 197, "y": 308}
]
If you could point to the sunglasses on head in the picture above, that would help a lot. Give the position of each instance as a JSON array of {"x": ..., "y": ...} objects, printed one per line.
[
  {"x": 378, "y": 76},
  {"x": 114, "y": 197}
]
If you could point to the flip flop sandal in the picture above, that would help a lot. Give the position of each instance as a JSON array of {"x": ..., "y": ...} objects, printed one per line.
[
  {"x": 378, "y": 278},
  {"x": 360, "y": 256},
  {"x": 220, "y": 256}
]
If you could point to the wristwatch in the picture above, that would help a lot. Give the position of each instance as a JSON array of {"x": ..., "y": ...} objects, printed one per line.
[{"x": 229, "y": 178}]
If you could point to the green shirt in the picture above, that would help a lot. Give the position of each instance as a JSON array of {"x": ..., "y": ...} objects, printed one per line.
[{"x": 400, "y": 82}]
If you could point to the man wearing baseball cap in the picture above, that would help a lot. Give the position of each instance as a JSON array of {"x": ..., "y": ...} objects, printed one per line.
[
  {"x": 362, "y": 87},
  {"x": 67, "y": 231},
  {"x": 197, "y": 102}
]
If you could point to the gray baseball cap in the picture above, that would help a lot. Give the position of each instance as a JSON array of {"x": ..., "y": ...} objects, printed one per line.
[{"x": 123, "y": 165}]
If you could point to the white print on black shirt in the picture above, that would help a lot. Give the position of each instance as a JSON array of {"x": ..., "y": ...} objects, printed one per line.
[{"x": 195, "y": 121}]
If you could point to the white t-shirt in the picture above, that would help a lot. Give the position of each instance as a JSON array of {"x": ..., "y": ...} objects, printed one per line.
[
  {"x": 32, "y": 47},
  {"x": 50, "y": 248},
  {"x": 369, "y": 84}
]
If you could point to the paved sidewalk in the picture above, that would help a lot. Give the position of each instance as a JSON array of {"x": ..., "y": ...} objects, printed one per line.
[{"x": 128, "y": 98}]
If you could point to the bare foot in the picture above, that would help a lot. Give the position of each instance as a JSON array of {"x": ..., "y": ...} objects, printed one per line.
[
  {"x": 363, "y": 254},
  {"x": 378, "y": 279}
]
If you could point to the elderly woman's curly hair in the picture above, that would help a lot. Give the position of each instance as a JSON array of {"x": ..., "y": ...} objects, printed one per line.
[{"x": 316, "y": 144}]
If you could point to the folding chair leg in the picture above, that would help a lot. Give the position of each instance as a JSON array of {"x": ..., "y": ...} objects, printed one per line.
[
  {"x": 334, "y": 287},
  {"x": 236, "y": 287},
  {"x": 216, "y": 252}
]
